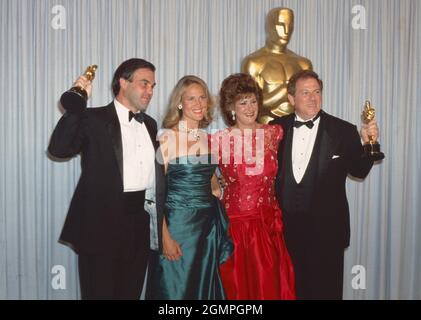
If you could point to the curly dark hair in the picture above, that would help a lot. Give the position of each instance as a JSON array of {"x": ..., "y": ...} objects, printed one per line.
[{"x": 234, "y": 88}]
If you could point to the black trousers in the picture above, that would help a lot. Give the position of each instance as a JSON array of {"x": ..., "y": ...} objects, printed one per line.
[
  {"x": 110, "y": 278},
  {"x": 318, "y": 264}
]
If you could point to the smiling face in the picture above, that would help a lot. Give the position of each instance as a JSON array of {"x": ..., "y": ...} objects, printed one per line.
[
  {"x": 195, "y": 104},
  {"x": 246, "y": 110},
  {"x": 136, "y": 93},
  {"x": 307, "y": 99}
]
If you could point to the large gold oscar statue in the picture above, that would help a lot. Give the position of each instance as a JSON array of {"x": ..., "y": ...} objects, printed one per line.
[{"x": 273, "y": 65}]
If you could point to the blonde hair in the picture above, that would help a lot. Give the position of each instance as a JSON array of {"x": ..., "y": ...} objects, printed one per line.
[{"x": 173, "y": 115}]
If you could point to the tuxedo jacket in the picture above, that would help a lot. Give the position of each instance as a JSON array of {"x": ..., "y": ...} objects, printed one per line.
[
  {"x": 337, "y": 153},
  {"x": 96, "y": 222}
]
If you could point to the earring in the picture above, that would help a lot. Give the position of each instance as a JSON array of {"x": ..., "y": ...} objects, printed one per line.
[
  {"x": 180, "y": 107},
  {"x": 233, "y": 115}
]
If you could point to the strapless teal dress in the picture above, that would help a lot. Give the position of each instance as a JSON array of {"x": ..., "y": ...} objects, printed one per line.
[{"x": 197, "y": 221}]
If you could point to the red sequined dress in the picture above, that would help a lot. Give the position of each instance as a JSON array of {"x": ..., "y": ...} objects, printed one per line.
[{"x": 260, "y": 267}]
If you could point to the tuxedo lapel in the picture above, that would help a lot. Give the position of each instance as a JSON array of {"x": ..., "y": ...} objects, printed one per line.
[
  {"x": 327, "y": 144},
  {"x": 114, "y": 130},
  {"x": 286, "y": 150},
  {"x": 152, "y": 131}
]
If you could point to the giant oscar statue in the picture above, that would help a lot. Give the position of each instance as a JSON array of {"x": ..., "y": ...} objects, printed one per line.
[{"x": 273, "y": 65}]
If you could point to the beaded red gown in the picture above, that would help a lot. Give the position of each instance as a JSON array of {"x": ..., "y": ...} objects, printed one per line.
[{"x": 260, "y": 267}]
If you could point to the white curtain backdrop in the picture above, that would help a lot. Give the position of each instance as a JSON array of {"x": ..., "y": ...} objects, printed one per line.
[{"x": 46, "y": 44}]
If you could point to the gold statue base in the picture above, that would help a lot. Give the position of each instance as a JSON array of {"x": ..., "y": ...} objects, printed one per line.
[
  {"x": 372, "y": 149},
  {"x": 74, "y": 99}
]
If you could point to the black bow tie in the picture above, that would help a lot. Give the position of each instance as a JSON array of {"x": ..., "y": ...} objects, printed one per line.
[
  {"x": 309, "y": 123},
  {"x": 139, "y": 117}
]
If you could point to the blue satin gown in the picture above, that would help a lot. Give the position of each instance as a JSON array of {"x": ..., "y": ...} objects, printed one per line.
[{"x": 196, "y": 220}]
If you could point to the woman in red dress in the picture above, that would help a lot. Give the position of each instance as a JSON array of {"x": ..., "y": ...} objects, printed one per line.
[{"x": 260, "y": 267}]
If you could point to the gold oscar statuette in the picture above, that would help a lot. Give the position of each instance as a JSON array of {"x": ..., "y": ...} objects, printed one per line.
[
  {"x": 372, "y": 147},
  {"x": 75, "y": 98}
]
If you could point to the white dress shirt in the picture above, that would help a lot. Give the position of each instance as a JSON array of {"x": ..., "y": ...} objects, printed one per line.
[
  {"x": 138, "y": 152},
  {"x": 302, "y": 147}
]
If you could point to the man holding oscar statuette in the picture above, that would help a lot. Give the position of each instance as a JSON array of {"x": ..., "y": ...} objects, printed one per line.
[
  {"x": 315, "y": 157},
  {"x": 107, "y": 225}
]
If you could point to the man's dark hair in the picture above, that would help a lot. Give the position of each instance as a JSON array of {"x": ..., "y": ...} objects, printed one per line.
[
  {"x": 126, "y": 70},
  {"x": 300, "y": 75}
]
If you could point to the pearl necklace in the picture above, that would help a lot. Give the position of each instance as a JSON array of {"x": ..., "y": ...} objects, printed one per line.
[{"x": 193, "y": 132}]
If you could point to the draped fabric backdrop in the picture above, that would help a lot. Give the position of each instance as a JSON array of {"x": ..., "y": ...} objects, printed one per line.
[{"x": 46, "y": 44}]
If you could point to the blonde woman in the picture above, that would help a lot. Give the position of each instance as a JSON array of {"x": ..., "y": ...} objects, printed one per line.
[{"x": 194, "y": 234}]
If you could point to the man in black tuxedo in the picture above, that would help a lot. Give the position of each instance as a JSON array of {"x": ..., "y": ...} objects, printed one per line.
[
  {"x": 317, "y": 153},
  {"x": 107, "y": 225}
]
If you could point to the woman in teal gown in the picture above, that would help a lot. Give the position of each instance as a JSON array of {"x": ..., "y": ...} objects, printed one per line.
[{"x": 194, "y": 235}]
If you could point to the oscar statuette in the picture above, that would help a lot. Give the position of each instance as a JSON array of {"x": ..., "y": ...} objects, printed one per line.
[
  {"x": 372, "y": 147},
  {"x": 74, "y": 99}
]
